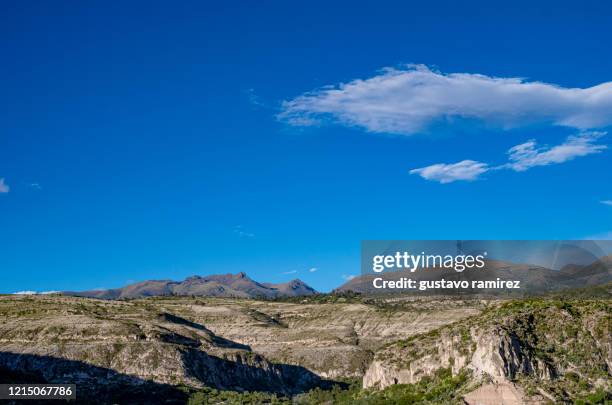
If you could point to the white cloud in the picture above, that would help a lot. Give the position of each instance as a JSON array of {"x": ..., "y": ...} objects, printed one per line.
[
  {"x": 412, "y": 99},
  {"x": 520, "y": 158},
  {"x": 4, "y": 188},
  {"x": 527, "y": 155},
  {"x": 348, "y": 277},
  {"x": 449, "y": 172},
  {"x": 30, "y": 292},
  {"x": 239, "y": 230},
  {"x": 312, "y": 269},
  {"x": 607, "y": 202},
  {"x": 290, "y": 272}
]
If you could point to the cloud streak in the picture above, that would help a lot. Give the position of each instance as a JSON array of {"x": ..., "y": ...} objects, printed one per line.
[
  {"x": 528, "y": 155},
  {"x": 413, "y": 99},
  {"x": 239, "y": 230},
  {"x": 520, "y": 158},
  {"x": 607, "y": 202},
  {"x": 4, "y": 188},
  {"x": 31, "y": 292},
  {"x": 255, "y": 100},
  {"x": 449, "y": 172}
]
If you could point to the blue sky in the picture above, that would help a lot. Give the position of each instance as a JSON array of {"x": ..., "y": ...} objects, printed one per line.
[{"x": 153, "y": 140}]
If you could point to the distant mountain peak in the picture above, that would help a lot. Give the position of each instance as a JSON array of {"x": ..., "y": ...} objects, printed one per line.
[{"x": 297, "y": 283}]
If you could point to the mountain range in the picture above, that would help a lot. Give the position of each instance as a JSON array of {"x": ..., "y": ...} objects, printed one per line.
[
  {"x": 220, "y": 285},
  {"x": 533, "y": 279}
]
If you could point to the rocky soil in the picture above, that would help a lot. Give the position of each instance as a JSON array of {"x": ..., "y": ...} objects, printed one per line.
[
  {"x": 132, "y": 340},
  {"x": 234, "y": 344},
  {"x": 521, "y": 352},
  {"x": 447, "y": 351},
  {"x": 331, "y": 339}
]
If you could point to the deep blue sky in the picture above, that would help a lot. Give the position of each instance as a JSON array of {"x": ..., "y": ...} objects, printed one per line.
[{"x": 150, "y": 129}]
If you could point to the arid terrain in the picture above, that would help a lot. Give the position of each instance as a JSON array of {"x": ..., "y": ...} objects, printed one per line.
[{"x": 316, "y": 349}]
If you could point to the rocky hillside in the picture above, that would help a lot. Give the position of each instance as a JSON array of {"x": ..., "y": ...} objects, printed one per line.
[
  {"x": 334, "y": 339},
  {"x": 223, "y": 285},
  {"x": 518, "y": 352},
  {"x": 226, "y": 344},
  {"x": 60, "y": 339},
  {"x": 202, "y": 350}
]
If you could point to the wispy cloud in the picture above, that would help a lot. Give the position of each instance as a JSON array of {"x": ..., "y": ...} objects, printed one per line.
[
  {"x": 349, "y": 277},
  {"x": 29, "y": 292},
  {"x": 35, "y": 186},
  {"x": 607, "y": 202},
  {"x": 4, "y": 188},
  {"x": 412, "y": 99},
  {"x": 528, "y": 155},
  {"x": 255, "y": 100},
  {"x": 289, "y": 272},
  {"x": 520, "y": 158},
  {"x": 239, "y": 230},
  {"x": 449, "y": 172},
  {"x": 312, "y": 269}
]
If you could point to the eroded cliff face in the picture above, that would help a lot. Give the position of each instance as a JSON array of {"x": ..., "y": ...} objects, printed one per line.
[
  {"x": 230, "y": 344},
  {"x": 64, "y": 339},
  {"x": 524, "y": 351},
  {"x": 540, "y": 345},
  {"x": 334, "y": 340}
]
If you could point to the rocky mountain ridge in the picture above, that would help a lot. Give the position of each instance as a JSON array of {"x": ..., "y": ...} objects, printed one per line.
[
  {"x": 218, "y": 285},
  {"x": 533, "y": 279}
]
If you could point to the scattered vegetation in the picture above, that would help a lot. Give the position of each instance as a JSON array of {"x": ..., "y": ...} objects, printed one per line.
[
  {"x": 569, "y": 334},
  {"x": 442, "y": 388}
]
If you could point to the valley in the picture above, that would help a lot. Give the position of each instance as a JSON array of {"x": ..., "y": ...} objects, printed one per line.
[{"x": 333, "y": 348}]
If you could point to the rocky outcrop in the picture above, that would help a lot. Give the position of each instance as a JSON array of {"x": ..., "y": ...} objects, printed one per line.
[
  {"x": 500, "y": 354},
  {"x": 535, "y": 344},
  {"x": 494, "y": 353},
  {"x": 396, "y": 365}
]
